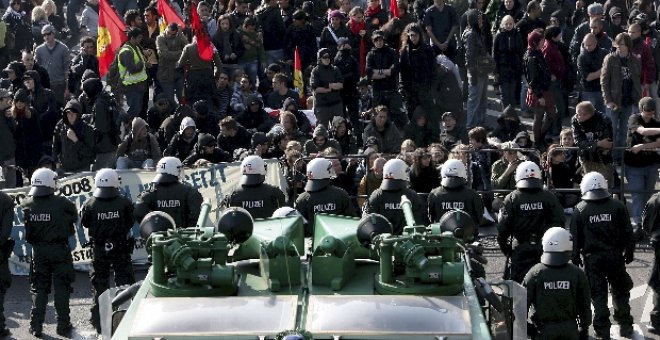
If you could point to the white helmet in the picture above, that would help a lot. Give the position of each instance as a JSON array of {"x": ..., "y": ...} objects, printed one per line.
[
  {"x": 319, "y": 173},
  {"x": 593, "y": 186},
  {"x": 43, "y": 182},
  {"x": 286, "y": 212},
  {"x": 528, "y": 176},
  {"x": 168, "y": 170},
  {"x": 396, "y": 175},
  {"x": 107, "y": 183},
  {"x": 187, "y": 122},
  {"x": 557, "y": 246},
  {"x": 254, "y": 170},
  {"x": 453, "y": 174}
]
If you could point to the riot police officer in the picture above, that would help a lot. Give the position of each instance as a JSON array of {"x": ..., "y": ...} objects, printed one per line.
[
  {"x": 386, "y": 200},
  {"x": 651, "y": 225},
  {"x": 558, "y": 292},
  {"x": 49, "y": 222},
  {"x": 109, "y": 218},
  {"x": 320, "y": 195},
  {"x": 260, "y": 198},
  {"x": 603, "y": 236},
  {"x": 526, "y": 214},
  {"x": 6, "y": 247},
  {"x": 179, "y": 200},
  {"x": 452, "y": 194}
]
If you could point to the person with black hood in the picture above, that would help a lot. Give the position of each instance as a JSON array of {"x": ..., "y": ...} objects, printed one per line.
[
  {"x": 320, "y": 141},
  {"x": 327, "y": 82},
  {"x": 73, "y": 140},
  {"x": 300, "y": 34},
  {"x": 418, "y": 129},
  {"x": 302, "y": 122},
  {"x": 139, "y": 149},
  {"x": 12, "y": 76},
  {"x": 349, "y": 67},
  {"x": 508, "y": 125},
  {"x": 454, "y": 194},
  {"x": 386, "y": 200},
  {"x": 382, "y": 68},
  {"x": 527, "y": 213},
  {"x": 45, "y": 105},
  {"x": 7, "y": 129},
  {"x": 418, "y": 77},
  {"x": 207, "y": 122},
  {"x": 27, "y": 136},
  {"x": 162, "y": 108},
  {"x": 108, "y": 216},
  {"x": 104, "y": 112},
  {"x": 233, "y": 135},
  {"x": 255, "y": 118},
  {"x": 260, "y": 144},
  {"x": 339, "y": 131},
  {"x": 170, "y": 125},
  {"x": 206, "y": 152},
  {"x": 183, "y": 142},
  {"x": 321, "y": 196},
  {"x": 253, "y": 194}
]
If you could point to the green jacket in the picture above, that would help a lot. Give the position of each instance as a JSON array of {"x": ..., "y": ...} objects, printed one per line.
[
  {"x": 388, "y": 204},
  {"x": 49, "y": 219},
  {"x": 180, "y": 200},
  {"x": 601, "y": 226},
  {"x": 108, "y": 219},
  {"x": 442, "y": 200},
  {"x": 260, "y": 200},
  {"x": 498, "y": 179}
]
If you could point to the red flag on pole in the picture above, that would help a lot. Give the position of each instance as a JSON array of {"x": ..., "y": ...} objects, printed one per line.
[
  {"x": 168, "y": 15},
  {"x": 298, "y": 78},
  {"x": 204, "y": 48},
  {"x": 394, "y": 8},
  {"x": 111, "y": 36}
]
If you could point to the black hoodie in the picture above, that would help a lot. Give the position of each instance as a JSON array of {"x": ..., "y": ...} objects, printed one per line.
[
  {"x": 78, "y": 156},
  {"x": 323, "y": 76}
]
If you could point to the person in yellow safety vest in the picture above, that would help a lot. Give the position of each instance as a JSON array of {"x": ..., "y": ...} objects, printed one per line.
[{"x": 133, "y": 72}]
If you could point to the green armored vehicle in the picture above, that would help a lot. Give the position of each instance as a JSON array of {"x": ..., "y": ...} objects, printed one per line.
[{"x": 353, "y": 280}]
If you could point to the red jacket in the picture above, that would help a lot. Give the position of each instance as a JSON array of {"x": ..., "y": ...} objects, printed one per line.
[
  {"x": 555, "y": 61},
  {"x": 643, "y": 53}
]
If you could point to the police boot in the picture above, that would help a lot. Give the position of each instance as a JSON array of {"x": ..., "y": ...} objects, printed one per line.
[
  {"x": 5, "y": 332},
  {"x": 655, "y": 329},
  {"x": 64, "y": 329},
  {"x": 36, "y": 331},
  {"x": 603, "y": 334},
  {"x": 626, "y": 330}
]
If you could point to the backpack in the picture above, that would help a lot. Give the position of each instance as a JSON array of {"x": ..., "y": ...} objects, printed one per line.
[{"x": 112, "y": 77}]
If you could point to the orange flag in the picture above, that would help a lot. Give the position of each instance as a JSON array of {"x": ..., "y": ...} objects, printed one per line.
[
  {"x": 111, "y": 36},
  {"x": 204, "y": 48},
  {"x": 394, "y": 8},
  {"x": 168, "y": 15},
  {"x": 298, "y": 78}
]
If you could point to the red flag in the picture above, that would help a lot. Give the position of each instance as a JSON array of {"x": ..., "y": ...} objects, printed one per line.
[
  {"x": 111, "y": 36},
  {"x": 204, "y": 48},
  {"x": 298, "y": 78},
  {"x": 394, "y": 8},
  {"x": 168, "y": 15}
]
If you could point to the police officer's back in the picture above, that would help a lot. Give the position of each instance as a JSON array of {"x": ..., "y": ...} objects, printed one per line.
[
  {"x": 320, "y": 195},
  {"x": 49, "y": 222},
  {"x": 558, "y": 292},
  {"x": 526, "y": 214},
  {"x": 453, "y": 194},
  {"x": 651, "y": 225},
  {"x": 386, "y": 200},
  {"x": 109, "y": 218},
  {"x": 260, "y": 198},
  {"x": 179, "y": 200},
  {"x": 603, "y": 236}
]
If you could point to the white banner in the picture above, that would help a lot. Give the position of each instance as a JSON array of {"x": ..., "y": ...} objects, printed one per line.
[{"x": 213, "y": 183}]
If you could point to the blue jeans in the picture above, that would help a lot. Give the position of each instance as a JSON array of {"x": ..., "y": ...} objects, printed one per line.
[
  {"x": 274, "y": 56},
  {"x": 640, "y": 179},
  {"x": 134, "y": 100},
  {"x": 595, "y": 98},
  {"x": 124, "y": 163},
  {"x": 523, "y": 95},
  {"x": 476, "y": 102},
  {"x": 620, "y": 127},
  {"x": 252, "y": 71},
  {"x": 71, "y": 9}
]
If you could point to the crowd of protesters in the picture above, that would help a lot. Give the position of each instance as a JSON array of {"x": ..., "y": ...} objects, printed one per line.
[{"x": 379, "y": 79}]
